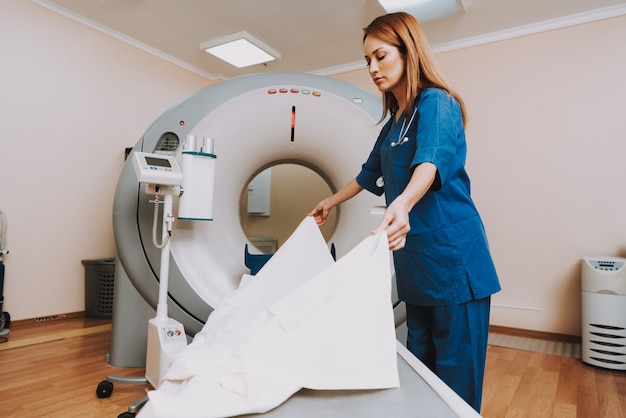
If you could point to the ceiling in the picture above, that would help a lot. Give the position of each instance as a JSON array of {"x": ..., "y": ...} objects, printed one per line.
[{"x": 316, "y": 36}]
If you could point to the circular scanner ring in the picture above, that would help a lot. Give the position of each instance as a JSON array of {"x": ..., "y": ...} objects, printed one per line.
[{"x": 334, "y": 132}]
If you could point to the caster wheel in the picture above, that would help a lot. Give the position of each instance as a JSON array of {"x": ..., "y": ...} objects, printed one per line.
[
  {"x": 126, "y": 415},
  {"x": 104, "y": 389}
]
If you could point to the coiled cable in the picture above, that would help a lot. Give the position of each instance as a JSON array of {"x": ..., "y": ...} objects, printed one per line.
[{"x": 155, "y": 220}]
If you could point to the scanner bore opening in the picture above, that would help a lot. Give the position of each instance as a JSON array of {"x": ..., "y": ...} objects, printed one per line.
[{"x": 276, "y": 198}]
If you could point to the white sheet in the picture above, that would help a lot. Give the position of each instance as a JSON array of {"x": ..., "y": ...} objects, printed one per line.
[{"x": 304, "y": 321}]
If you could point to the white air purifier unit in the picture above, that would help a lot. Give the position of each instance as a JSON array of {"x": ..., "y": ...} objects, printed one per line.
[{"x": 603, "y": 283}]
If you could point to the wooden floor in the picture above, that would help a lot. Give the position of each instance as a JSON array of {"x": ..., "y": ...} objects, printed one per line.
[
  {"x": 52, "y": 377},
  {"x": 52, "y": 369}
]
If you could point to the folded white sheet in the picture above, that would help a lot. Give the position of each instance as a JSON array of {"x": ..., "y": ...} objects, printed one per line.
[{"x": 304, "y": 321}]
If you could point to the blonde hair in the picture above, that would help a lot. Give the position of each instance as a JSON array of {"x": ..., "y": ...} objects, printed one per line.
[{"x": 404, "y": 32}]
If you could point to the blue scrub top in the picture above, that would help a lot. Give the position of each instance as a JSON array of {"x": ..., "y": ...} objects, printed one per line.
[{"x": 446, "y": 259}]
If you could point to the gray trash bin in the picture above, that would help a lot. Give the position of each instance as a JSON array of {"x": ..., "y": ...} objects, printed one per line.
[{"x": 99, "y": 286}]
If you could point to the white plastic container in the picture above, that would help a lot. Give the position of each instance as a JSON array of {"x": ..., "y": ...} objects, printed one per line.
[{"x": 198, "y": 166}]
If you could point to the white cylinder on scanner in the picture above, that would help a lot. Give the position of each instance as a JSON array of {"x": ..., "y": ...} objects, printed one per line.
[{"x": 198, "y": 167}]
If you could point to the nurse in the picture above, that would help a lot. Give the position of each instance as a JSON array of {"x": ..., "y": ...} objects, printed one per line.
[{"x": 444, "y": 270}]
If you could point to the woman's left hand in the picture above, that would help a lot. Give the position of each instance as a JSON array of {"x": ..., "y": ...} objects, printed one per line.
[
  {"x": 395, "y": 223},
  {"x": 396, "y": 218}
]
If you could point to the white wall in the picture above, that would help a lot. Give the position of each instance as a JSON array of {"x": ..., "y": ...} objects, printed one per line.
[
  {"x": 546, "y": 145},
  {"x": 71, "y": 100},
  {"x": 547, "y": 155}
]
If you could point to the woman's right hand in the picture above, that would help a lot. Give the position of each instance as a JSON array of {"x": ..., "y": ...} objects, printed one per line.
[{"x": 320, "y": 213}]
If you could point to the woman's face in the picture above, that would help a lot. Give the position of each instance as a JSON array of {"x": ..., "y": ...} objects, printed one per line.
[{"x": 386, "y": 65}]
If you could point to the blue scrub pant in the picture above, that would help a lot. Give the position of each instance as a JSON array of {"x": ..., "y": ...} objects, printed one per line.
[{"x": 452, "y": 342}]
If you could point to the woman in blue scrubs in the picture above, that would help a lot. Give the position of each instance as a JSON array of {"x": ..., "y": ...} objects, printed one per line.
[{"x": 444, "y": 270}]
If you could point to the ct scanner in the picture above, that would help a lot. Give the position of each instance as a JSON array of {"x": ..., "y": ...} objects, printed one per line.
[{"x": 251, "y": 121}]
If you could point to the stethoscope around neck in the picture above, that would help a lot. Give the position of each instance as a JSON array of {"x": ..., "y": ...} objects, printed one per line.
[
  {"x": 399, "y": 141},
  {"x": 402, "y": 138}
]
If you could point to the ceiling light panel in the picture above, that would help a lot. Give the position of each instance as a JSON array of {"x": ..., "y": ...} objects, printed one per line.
[
  {"x": 425, "y": 10},
  {"x": 240, "y": 49}
]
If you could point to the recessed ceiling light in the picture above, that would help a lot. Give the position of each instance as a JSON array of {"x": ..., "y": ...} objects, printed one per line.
[
  {"x": 425, "y": 10},
  {"x": 240, "y": 49}
]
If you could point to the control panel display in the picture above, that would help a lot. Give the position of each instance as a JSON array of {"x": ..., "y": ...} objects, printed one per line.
[
  {"x": 158, "y": 162},
  {"x": 157, "y": 169}
]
